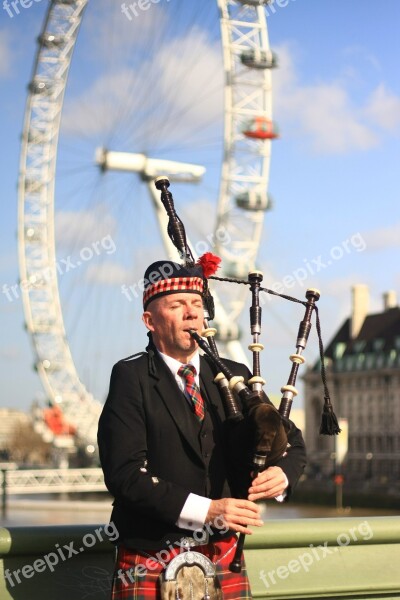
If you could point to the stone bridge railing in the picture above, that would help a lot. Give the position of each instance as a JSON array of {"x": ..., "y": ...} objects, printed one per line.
[{"x": 306, "y": 558}]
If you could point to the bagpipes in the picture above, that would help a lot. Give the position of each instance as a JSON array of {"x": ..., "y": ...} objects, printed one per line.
[{"x": 260, "y": 424}]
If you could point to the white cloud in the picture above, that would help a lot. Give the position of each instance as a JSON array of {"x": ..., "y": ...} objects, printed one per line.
[
  {"x": 93, "y": 109},
  {"x": 332, "y": 122},
  {"x": 5, "y": 54},
  {"x": 385, "y": 237},
  {"x": 383, "y": 108},
  {"x": 360, "y": 52},
  {"x": 186, "y": 102},
  {"x": 324, "y": 114},
  {"x": 197, "y": 101}
]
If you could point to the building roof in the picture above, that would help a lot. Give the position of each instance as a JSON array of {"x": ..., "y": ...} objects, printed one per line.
[
  {"x": 383, "y": 326},
  {"x": 377, "y": 344}
]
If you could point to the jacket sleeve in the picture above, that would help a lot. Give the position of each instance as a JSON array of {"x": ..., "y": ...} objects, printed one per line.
[{"x": 122, "y": 444}]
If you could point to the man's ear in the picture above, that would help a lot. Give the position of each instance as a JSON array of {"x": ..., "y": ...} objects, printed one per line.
[{"x": 147, "y": 319}]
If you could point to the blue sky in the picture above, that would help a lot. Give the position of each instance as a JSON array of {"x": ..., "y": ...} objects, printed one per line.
[{"x": 334, "y": 171}]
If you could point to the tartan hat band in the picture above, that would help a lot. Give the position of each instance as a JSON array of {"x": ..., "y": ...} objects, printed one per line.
[{"x": 172, "y": 286}]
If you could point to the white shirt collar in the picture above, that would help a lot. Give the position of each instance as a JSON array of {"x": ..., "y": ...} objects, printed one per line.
[{"x": 174, "y": 364}]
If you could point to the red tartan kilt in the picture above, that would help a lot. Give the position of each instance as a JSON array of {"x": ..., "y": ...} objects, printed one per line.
[{"x": 136, "y": 574}]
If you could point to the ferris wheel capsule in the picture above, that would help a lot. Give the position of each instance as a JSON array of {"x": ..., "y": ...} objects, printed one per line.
[
  {"x": 254, "y": 200},
  {"x": 41, "y": 86},
  {"x": 254, "y": 2},
  {"x": 50, "y": 40},
  {"x": 260, "y": 128},
  {"x": 56, "y": 422},
  {"x": 256, "y": 58}
]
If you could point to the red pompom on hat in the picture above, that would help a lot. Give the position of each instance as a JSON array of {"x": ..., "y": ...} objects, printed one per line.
[{"x": 209, "y": 263}]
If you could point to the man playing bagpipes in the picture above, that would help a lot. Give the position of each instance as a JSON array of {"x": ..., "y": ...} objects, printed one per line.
[{"x": 166, "y": 448}]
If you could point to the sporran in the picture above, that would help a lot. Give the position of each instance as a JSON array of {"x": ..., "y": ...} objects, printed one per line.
[{"x": 190, "y": 576}]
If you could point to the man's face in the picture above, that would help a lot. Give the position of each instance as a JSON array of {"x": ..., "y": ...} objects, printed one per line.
[{"x": 169, "y": 318}]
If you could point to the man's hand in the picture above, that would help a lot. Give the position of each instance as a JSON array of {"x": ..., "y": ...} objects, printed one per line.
[
  {"x": 237, "y": 514},
  {"x": 269, "y": 484}
]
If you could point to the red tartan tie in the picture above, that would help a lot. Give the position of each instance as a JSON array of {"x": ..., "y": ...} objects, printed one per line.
[{"x": 188, "y": 372}]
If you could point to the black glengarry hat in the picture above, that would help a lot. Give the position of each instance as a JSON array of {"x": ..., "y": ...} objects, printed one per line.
[{"x": 166, "y": 277}]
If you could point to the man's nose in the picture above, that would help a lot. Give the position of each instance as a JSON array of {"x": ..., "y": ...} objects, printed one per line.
[{"x": 191, "y": 313}]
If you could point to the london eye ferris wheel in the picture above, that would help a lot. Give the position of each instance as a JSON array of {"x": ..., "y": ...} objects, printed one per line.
[{"x": 179, "y": 88}]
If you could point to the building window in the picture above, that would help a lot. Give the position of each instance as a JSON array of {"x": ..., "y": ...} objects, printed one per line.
[
  {"x": 378, "y": 344},
  {"x": 360, "y": 360},
  {"x": 380, "y": 360},
  {"x": 359, "y": 346},
  {"x": 339, "y": 349},
  {"x": 369, "y": 361}
]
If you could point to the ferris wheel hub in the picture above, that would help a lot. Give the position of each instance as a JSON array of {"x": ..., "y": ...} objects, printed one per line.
[{"x": 148, "y": 168}]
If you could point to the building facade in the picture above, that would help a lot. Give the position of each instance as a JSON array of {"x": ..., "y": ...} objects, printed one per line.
[
  {"x": 363, "y": 369},
  {"x": 10, "y": 419}
]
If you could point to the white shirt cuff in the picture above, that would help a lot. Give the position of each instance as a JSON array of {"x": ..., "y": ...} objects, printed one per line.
[
  {"x": 282, "y": 496},
  {"x": 194, "y": 512}
]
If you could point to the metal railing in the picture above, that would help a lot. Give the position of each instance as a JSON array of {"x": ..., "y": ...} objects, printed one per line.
[{"x": 44, "y": 481}]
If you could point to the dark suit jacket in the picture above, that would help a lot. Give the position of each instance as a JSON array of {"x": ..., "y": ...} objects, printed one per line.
[{"x": 151, "y": 461}]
